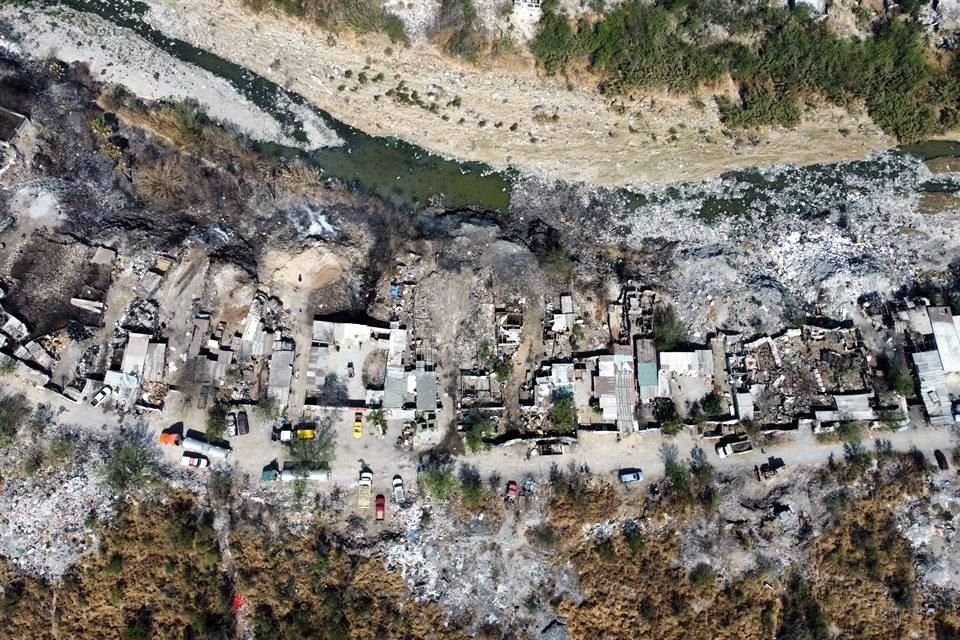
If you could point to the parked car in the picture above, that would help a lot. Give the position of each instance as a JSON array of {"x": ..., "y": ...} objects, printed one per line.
[
  {"x": 172, "y": 439},
  {"x": 305, "y": 434},
  {"x": 512, "y": 490},
  {"x": 357, "y": 425},
  {"x": 629, "y": 475},
  {"x": 941, "y": 460},
  {"x": 281, "y": 435},
  {"x": 231, "y": 424},
  {"x": 381, "y": 507},
  {"x": 243, "y": 427},
  {"x": 102, "y": 395},
  {"x": 364, "y": 489},
  {"x": 199, "y": 462},
  {"x": 398, "y": 493}
]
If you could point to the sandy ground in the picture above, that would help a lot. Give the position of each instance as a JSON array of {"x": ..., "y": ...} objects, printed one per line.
[
  {"x": 652, "y": 139},
  {"x": 115, "y": 55}
]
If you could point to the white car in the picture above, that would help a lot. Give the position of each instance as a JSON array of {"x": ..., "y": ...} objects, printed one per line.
[
  {"x": 102, "y": 395},
  {"x": 194, "y": 461},
  {"x": 231, "y": 424},
  {"x": 398, "y": 493}
]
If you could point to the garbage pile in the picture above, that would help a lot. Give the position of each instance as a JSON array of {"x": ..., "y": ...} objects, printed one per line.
[{"x": 46, "y": 521}]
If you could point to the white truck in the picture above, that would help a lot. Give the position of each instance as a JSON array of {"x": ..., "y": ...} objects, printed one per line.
[
  {"x": 734, "y": 448},
  {"x": 206, "y": 448},
  {"x": 365, "y": 489},
  {"x": 315, "y": 475}
]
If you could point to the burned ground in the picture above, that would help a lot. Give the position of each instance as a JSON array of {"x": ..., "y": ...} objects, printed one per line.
[{"x": 45, "y": 274}]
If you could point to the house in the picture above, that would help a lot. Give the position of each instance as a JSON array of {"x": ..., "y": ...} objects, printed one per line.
[
  {"x": 426, "y": 375},
  {"x": 148, "y": 284},
  {"x": 155, "y": 362},
  {"x": 135, "y": 354},
  {"x": 615, "y": 388},
  {"x": 646, "y": 369},
  {"x": 281, "y": 372}
]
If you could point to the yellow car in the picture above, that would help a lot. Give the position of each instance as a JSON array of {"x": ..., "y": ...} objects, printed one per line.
[
  {"x": 357, "y": 425},
  {"x": 305, "y": 434}
]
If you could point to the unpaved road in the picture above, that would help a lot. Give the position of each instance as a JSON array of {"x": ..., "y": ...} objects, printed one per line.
[
  {"x": 562, "y": 131},
  {"x": 599, "y": 451}
]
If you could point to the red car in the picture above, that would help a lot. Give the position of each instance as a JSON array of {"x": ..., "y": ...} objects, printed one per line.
[
  {"x": 512, "y": 490},
  {"x": 381, "y": 505}
]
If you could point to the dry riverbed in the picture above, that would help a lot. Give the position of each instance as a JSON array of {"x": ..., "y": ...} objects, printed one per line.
[
  {"x": 116, "y": 55},
  {"x": 505, "y": 114}
]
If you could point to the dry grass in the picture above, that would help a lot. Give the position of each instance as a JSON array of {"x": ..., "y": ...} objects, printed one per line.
[
  {"x": 158, "y": 571},
  {"x": 299, "y": 179},
  {"x": 299, "y": 584},
  {"x": 165, "y": 182}
]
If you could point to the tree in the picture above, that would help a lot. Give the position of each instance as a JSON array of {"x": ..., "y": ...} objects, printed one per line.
[
  {"x": 376, "y": 418},
  {"x": 319, "y": 451},
  {"x": 563, "y": 414},
  {"x": 267, "y": 409},
  {"x": 333, "y": 393},
  {"x": 712, "y": 404},
  {"x": 478, "y": 428},
  {"x": 217, "y": 420},
  {"x": 14, "y": 410},
  {"x": 132, "y": 460},
  {"x": 668, "y": 330},
  {"x": 438, "y": 481}
]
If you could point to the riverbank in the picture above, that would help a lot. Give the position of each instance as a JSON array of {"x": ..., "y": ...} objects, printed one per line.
[
  {"x": 116, "y": 56},
  {"x": 504, "y": 115}
]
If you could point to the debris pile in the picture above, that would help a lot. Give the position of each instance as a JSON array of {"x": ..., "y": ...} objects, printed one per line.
[{"x": 45, "y": 522}]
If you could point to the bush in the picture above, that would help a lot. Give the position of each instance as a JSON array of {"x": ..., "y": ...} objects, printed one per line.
[
  {"x": 361, "y": 16},
  {"x": 217, "y": 421},
  {"x": 563, "y": 414},
  {"x": 642, "y": 44},
  {"x": 130, "y": 465},
  {"x": 703, "y": 575},
  {"x": 438, "y": 482},
  {"x": 477, "y": 430},
  {"x": 14, "y": 411},
  {"x": 668, "y": 330}
]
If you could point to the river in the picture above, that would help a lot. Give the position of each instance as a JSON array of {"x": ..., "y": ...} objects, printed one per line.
[{"x": 412, "y": 177}]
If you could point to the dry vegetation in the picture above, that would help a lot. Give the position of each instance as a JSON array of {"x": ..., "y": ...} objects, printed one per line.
[
  {"x": 304, "y": 587},
  {"x": 162, "y": 573},
  {"x": 157, "y": 576}
]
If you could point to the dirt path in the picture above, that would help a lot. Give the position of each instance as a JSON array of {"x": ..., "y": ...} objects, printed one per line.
[{"x": 504, "y": 115}]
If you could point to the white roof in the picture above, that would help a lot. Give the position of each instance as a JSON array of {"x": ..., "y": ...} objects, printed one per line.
[
  {"x": 698, "y": 363},
  {"x": 948, "y": 339},
  {"x": 135, "y": 355}
]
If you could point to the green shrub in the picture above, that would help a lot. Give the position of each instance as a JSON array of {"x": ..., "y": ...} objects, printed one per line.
[
  {"x": 563, "y": 414},
  {"x": 703, "y": 575},
  {"x": 438, "y": 482},
  {"x": 476, "y": 431},
  {"x": 643, "y": 44}
]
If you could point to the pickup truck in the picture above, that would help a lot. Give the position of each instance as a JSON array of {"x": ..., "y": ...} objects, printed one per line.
[
  {"x": 365, "y": 489},
  {"x": 381, "y": 507},
  {"x": 398, "y": 493},
  {"x": 237, "y": 425},
  {"x": 734, "y": 448}
]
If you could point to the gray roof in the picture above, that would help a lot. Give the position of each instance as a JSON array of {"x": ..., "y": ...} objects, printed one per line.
[
  {"x": 394, "y": 388},
  {"x": 426, "y": 389}
]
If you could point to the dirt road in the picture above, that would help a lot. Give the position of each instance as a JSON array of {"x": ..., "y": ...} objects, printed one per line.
[
  {"x": 601, "y": 452},
  {"x": 604, "y": 455},
  {"x": 505, "y": 114}
]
